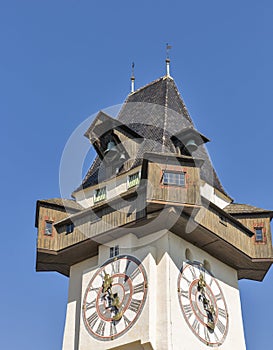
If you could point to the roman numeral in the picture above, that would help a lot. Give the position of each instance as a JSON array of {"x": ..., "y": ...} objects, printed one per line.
[
  {"x": 134, "y": 305},
  {"x": 93, "y": 319},
  {"x": 101, "y": 328},
  {"x": 188, "y": 310},
  {"x": 222, "y": 312},
  {"x": 184, "y": 293},
  {"x": 192, "y": 270},
  {"x": 220, "y": 326},
  {"x": 139, "y": 288},
  {"x": 207, "y": 335},
  {"x": 127, "y": 266},
  {"x": 210, "y": 281},
  {"x": 196, "y": 325},
  {"x": 218, "y": 297},
  {"x": 90, "y": 305},
  {"x": 113, "y": 329},
  {"x": 115, "y": 265},
  {"x": 126, "y": 321},
  {"x": 92, "y": 289},
  {"x": 135, "y": 273},
  {"x": 188, "y": 281},
  {"x": 126, "y": 270}
]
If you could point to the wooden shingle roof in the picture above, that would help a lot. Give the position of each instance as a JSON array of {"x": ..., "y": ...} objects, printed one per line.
[
  {"x": 237, "y": 208},
  {"x": 156, "y": 112},
  {"x": 67, "y": 203}
]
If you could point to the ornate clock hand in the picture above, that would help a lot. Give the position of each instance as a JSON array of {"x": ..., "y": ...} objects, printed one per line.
[
  {"x": 206, "y": 303},
  {"x": 107, "y": 283},
  {"x": 116, "y": 305}
]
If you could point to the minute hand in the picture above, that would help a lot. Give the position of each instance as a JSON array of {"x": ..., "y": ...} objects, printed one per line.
[{"x": 206, "y": 303}]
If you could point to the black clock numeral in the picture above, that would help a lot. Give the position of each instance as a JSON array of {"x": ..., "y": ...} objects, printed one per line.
[
  {"x": 193, "y": 272},
  {"x": 188, "y": 281},
  {"x": 184, "y": 293},
  {"x": 220, "y": 326},
  {"x": 139, "y": 288},
  {"x": 92, "y": 320},
  {"x": 222, "y": 312},
  {"x": 188, "y": 310},
  {"x": 127, "y": 266},
  {"x": 216, "y": 337},
  {"x": 196, "y": 325},
  {"x": 218, "y": 297},
  {"x": 135, "y": 273},
  {"x": 126, "y": 321},
  {"x": 207, "y": 334},
  {"x": 134, "y": 305},
  {"x": 94, "y": 289},
  {"x": 90, "y": 305},
  {"x": 115, "y": 265},
  {"x": 126, "y": 271},
  {"x": 101, "y": 328},
  {"x": 210, "y": 281},
  {"x": 113, "y": 329}
]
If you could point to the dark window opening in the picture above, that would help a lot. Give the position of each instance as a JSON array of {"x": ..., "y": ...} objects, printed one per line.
[
  {"x": 100, "y": 194},
  {"x": 133, "y": 180},
  {"x": 259, "y": 234},
  {"x": 69, "y": 228},
  {"x": 48, "y": 228},
  {"x": 114, "y": 251}
]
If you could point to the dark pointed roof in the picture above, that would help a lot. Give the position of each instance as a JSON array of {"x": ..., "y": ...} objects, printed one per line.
[{"x": 157, "y": 112}]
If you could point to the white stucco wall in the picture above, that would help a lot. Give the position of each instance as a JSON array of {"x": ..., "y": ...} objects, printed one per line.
[
  {"x": 113, "y": 189},
  {"x": 208, "y": 192},
  {"x": 161, "y": 325}
]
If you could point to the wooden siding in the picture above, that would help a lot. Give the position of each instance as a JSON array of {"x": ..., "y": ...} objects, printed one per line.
[
  {"x": 94, "y": 222},
  {"x": 58, "y": 240},
  {"x": 188, "y": 194},
  {"x": 234, "y": 234},
  {"x": 264, "y": 248},
  {"x": 217, "y": 232}
]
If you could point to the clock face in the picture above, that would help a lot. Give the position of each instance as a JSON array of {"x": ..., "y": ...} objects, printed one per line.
[
  {"x": 114, "y": 297},
  {"x": 202, "y": 303}
]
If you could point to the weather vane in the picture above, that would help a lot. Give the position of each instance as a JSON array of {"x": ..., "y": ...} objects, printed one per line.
[
  {"x": 133, "y": 78},
  {"x": 168, "y": 47}
]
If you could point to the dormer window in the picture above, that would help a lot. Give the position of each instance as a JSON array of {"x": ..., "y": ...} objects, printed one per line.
[
  {"x": 133, "y": 180},
  {"x": 111, "y": 150},
  {"x": 100, "y": 194},
  {"x": 173, "y": 178}
]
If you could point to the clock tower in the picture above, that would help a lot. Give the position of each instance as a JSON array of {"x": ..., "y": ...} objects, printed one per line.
[{"x": 151, "y": 242}]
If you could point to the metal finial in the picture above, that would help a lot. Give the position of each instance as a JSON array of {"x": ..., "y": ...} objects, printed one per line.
[
  {"x": 168, "y": 47},
  {"x": 133, "y": 78}
]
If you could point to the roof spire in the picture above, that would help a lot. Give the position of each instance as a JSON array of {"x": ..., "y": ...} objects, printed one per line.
[
  {"x": 133, "y": 78},
  {"x": 168, "y": 47}
]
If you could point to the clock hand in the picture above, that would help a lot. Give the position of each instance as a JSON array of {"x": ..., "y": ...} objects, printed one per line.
[
  {"x": 107, "y": 283},
  {"x": 206, "y": 302},
  {"x": 113, "y": 298}
]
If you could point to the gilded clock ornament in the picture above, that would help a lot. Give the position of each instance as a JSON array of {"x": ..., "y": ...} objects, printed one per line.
[
  {"x": 115, "y": 297},
  {"x": 202, "y": 303}
]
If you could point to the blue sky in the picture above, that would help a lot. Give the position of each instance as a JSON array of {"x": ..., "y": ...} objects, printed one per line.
[{"x": 63, "y": 60}]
